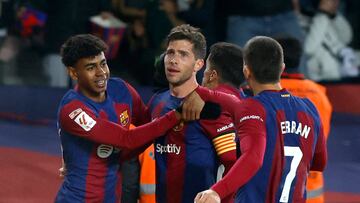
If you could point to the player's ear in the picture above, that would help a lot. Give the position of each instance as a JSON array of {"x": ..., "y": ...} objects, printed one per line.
[
  {"x": 246, "y": 71},
  {"x": 282, "y": 68},
  {"x": 199, "y": 63},
  {"x": 72, "y": 73},
  {"x": 213, "y": 75}
]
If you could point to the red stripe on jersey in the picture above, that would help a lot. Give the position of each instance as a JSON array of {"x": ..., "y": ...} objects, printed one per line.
[
  {"x": 93, "y": 180},
  {"x": 175, "y": 166},
  {"x": 277, "y": 162},
  {"x": 306, "y": 146}
]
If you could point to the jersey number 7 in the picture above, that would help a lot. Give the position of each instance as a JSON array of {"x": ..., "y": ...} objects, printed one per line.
[{"x": 297, "y": 154}]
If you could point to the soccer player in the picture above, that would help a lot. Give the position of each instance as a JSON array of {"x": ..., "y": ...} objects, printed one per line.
[
  {"x": 224, "y": 69},
  {"x": 224, "y": 73},
  {"x": 297, "y": 85},
  {"x": 187, "y": 158},
  {"x": 93, "y": 121},
  {"x": 281, "y": 137}
]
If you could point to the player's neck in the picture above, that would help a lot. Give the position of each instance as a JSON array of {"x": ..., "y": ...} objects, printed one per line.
[
  {"x": 182, "y": 90},
  {"x": 258, "y": 87},
  {"x": 96, "y": 97}
]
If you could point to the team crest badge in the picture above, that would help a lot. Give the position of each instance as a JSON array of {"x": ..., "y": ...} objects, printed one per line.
[
  {"x": 179, "y": 127},
  {"x": 124, "y": 118}
]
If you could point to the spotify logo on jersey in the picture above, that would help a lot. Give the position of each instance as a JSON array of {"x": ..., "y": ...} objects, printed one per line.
[{"x": 104, "y": 151}]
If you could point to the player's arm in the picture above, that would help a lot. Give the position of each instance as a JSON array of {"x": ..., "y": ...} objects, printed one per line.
[
  {"x": 251, "y": 125},
  {"x": 78, "y": 119},
  {"x": 320, "y": 154},
  {"x": 226, "y": 101},
  {"x": 222, "y": 134}
]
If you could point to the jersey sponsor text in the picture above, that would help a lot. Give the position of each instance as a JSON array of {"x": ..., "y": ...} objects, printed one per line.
[{"x": 169, "y": 148}]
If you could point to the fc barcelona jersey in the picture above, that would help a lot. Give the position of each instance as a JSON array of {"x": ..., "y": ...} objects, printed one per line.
[
  {"x": 93, "y": 169},
  {"x": 188, "y": 157},
  {"x": 281, "y": 139}
]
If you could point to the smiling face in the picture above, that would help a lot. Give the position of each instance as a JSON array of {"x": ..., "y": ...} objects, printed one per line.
[
  {"x": 92, "y": 74},
  {"x": 180, "y": 62}
]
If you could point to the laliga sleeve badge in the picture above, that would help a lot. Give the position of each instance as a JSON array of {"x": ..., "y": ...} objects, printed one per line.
[
  {"x": 75, "y": 113},
  {"x": 85, "y": 121},
  {"x": 104, "y": 151}
]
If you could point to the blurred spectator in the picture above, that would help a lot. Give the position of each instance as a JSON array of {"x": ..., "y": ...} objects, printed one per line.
[
  {"x": 249, "y": 18},
  {"x": 326, "y": 44},
  {"x": 66, "y": 18},
  {"x": 135, "y": 56},
  {"x": 352, "y": 13},
  {"x": 129, "y": 9},
  {"x": 162, "y": 15},
  {"x": 198, "y": 13},
  {"x": 21, "y": 42}
]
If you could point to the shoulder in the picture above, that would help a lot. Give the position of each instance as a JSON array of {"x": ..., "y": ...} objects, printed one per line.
[
  {"x": 71, "y": 108},
  {"x": 252, "y": 105},
  {"x": 69, "y": 96},
  {"x": 120, "y": 90},
  {"x": 117, "y": 83},
  {"x": 221, "y": 96}
]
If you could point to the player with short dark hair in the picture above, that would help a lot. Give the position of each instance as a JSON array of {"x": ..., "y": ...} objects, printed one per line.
[
  {"x": 188, "y": 157},
  {"x": 281, "y": 136},
  {"x": 224, "y": 69},
  {"x": 223, "y": 73}
]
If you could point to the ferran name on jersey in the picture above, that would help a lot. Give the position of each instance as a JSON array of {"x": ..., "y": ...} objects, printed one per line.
[
  {"x": 295, "y": 128},
  {"x": 124, "y": 118}
]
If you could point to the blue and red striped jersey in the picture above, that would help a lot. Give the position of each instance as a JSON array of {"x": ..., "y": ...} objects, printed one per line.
[
  {"x": 188, "y": 157},
  {"x": 281, "y": 139},
  {"x": 93, "y": 169}
]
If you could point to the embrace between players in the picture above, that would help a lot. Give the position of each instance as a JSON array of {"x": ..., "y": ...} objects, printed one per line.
[{"x": 267, "y": 143}]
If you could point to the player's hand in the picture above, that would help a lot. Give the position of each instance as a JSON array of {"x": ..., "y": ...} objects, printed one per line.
[
  {"x": 207, "y": 196},
  {"x": 192, "y": 107},
  {"x": 62, "y": 170}
]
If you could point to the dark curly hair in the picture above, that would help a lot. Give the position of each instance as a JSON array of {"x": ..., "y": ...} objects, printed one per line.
[{"x": 81, "y": 46}]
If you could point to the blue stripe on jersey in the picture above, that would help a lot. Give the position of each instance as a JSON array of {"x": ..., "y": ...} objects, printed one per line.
[
  {"x": 161, "y": 160},
  {"x": 200, "y": 157},
  {"x": 201, "y": 162}
]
